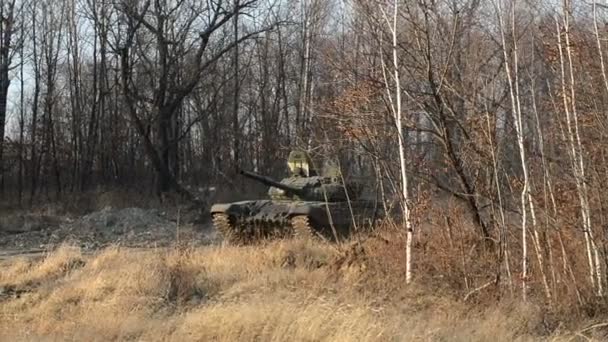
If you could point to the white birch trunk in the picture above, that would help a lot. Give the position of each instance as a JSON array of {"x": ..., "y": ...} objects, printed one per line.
[
  {"x": 398, "y": 116},
  {"x": 599, "y": 45},
  {"x": 576, "y": 151},
  {"x": 512, "y": 79}
]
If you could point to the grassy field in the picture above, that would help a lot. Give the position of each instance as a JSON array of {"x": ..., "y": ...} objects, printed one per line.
[{"x": 285, "y": 290}]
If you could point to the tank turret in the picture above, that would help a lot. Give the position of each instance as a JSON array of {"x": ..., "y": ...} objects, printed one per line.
[
  {"x": 289, "y": 191},
  {"x": 315, "y": 188},
  {"x": 305, "y": 184}
]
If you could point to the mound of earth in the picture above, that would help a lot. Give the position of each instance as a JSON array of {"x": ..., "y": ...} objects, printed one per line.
[
  {"x": 132, "y": 227},
  {"x": 23, "y": 223},
  {"x": 121, "y": 221}
]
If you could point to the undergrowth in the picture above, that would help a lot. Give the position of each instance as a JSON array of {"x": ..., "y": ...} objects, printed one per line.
[{"x": 277, "y": 291}]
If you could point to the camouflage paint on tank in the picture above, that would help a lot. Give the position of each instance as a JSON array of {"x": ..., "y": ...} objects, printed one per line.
[{"x": 303, "y": 201}]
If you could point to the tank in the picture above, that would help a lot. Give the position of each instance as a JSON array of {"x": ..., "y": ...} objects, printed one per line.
[{"x": 304, "y": 204}]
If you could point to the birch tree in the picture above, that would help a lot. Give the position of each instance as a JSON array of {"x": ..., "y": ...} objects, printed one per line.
[
  {"x": 393, "y": 90},
  {"x": 575, "y": 149},
  {"x": 511, "y": 65}
]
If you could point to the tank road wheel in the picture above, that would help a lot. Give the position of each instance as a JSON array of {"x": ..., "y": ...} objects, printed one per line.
[
  {"x": 229, "y": 232},
  {"x": 303, "y": 228}
]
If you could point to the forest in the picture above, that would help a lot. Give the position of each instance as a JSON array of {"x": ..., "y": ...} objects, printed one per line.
[{"x": 500, "y": 106}]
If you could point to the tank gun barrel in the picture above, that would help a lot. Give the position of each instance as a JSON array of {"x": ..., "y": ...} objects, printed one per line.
[{"x": 270, "y": 182}]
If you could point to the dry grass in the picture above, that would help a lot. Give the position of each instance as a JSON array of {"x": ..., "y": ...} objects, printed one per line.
[{"x": 283, "y": 290}]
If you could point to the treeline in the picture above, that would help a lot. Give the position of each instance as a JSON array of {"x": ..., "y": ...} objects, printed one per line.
[
  {"x": 150, "y": 93},
  {"x": 502, "y": 104}
]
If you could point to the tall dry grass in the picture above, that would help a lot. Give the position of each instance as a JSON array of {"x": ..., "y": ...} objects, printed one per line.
[{"x": 286, "y": 290}]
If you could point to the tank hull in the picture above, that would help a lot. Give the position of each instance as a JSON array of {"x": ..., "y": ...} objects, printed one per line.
[{"x": 265, "y": 218}]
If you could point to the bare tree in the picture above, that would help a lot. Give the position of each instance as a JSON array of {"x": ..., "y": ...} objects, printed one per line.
[
  {"x": 396, "y": 107},
  {"x": 171, "y": 28},
  {"x": 7, "y": 51},
  {"x": 575, "y": 149}
]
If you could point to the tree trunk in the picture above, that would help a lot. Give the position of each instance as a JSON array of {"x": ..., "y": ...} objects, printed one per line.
[{"x": 6, "y": 32}]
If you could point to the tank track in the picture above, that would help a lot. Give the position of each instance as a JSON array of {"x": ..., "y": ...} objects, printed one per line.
[
  {"x": 303, "y": 228},
  {"x": 229, "y": 232}
]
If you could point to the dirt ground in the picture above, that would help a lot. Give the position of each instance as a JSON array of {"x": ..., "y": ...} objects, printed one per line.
[{"x": 27, "y": 233}]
